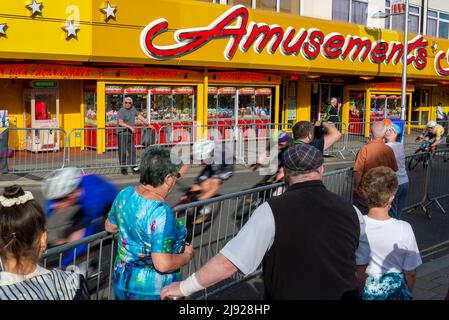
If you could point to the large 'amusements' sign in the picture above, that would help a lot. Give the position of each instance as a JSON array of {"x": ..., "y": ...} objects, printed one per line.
[{"x": 306, "y": 43}]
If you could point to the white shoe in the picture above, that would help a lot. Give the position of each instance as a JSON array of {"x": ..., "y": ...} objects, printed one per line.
[{"x": 203, "y": 215}]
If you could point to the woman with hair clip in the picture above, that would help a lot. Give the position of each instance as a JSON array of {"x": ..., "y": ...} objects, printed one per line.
[{"x": 23, "y": 241}]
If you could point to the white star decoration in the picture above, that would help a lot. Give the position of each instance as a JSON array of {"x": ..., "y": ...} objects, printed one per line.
[
  {"x": 109, "y": 11},
  {"x": 3, "y": 27},
  {"x": 71, "y": 30},
  {"x": 35, "y": 7}
]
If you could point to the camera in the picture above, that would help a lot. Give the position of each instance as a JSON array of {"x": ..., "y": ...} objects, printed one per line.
[{"x": 319, "y": 131}]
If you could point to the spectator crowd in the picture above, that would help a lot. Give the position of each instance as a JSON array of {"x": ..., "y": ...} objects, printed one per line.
[{"x": 312, "y": 243}]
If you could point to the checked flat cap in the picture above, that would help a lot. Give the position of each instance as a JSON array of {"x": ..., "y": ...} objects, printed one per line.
[{"x": 302, "y": 157}]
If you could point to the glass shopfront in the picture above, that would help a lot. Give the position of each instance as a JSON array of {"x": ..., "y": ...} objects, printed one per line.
[
  {"x": 155, "y": 103},
  {"x": 385, "y": 106},
  {"x": 252, "y": 103}
]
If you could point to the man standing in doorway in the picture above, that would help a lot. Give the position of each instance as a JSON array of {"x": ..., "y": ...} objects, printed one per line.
[{"x": 126, "y": 121}]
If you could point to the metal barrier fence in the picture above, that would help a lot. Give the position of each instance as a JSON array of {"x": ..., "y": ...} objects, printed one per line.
[
  {"x": 47, "y": 149},
  {"x": 228, "y": 215},
  {"x": 356, "y": 134},
  {"x": 339, "y": 147},
  {"x": 123, "y": 147},
  {"x": 437, "y": 182},
  {"x": 35, "y": 150}
]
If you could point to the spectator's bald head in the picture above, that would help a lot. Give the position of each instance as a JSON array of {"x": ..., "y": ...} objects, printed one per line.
[{"x": 378, "y": 130}]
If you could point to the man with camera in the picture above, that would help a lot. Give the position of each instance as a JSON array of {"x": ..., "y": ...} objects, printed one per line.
[{"x": 322, "y": 136}]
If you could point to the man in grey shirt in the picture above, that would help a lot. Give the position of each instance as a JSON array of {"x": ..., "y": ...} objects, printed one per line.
[{"x": 126, "y": 121}]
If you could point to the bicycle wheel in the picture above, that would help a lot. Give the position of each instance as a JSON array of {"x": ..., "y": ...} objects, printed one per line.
[
  {"x": 197, "y": 223},
  {"x": 413, "y": 162},
  {"x": 446, "y": 156}
]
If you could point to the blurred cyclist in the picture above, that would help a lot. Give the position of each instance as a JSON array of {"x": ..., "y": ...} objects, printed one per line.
[
  {"x": 218, "y": 167},
  {"x": 283, "y": 140},
  {"x": 433, "y": 134},
  {"x": 84, "y": 199}
]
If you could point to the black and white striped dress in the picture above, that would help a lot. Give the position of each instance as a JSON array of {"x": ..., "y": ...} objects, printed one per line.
[{"x": 52, "y": 285}]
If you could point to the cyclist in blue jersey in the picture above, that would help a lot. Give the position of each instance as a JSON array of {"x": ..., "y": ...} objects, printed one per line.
[{"x": 88, "y": 198}]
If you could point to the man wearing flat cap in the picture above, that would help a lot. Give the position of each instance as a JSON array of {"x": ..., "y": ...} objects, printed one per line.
[{"x": 306, "y": 239}]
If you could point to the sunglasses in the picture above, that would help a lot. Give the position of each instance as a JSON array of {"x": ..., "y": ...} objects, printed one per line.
[{"x": 127, "y": 102}]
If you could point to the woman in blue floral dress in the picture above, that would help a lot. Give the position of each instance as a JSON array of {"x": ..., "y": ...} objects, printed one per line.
[{"x": 150, "y": 239}]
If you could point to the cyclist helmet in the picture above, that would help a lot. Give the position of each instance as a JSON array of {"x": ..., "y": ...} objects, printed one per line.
[
  {"x": 202, "y": 150},
  {"x": 281, "y": 137},
  {"x": 62, "y": 182},
  {"x": 431, "y": 124}
]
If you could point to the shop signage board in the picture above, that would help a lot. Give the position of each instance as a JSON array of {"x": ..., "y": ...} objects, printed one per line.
[
  {"x": 44, "y": 84},
  {"x": 304, "y": 44},
  {"x": 114, "y": 89},
  {"x": 191, "y": 33},
  {"x": 161, "y": 90},
  {"x": 47, "y": 71},
  {"x": 184, "y": 90},
  {"x": 247, "y": 91},
  {"x": 136, "y": 90},
  {"x": 263, "y": 92},
  {"x": 212, "y": 90},
  {"x": 227, "y": 90}
]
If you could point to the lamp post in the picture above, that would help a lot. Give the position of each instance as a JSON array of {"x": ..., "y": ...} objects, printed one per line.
[
  {"x": 404, "y": 64},
  {"x": 381, "y": 14}
]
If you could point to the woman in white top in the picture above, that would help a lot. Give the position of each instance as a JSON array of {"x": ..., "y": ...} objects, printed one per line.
[
  {"x": 392, "y": 136},
  {"x": 23, "y": 240},
  {"x": 389, "y": 271}
]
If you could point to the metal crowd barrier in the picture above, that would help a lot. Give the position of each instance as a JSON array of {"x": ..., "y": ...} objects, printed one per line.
[
  {"x": 437, "y": 182},
  {"x": 35, "y": 149},
  {"x": 228, "y": 215},
  {"x": 339, "y": 147},
  {"x": 47, "y": 149},
  {"x": 83, "y": 145},
  {"x": 96, "y": 264},
  {"x": 356, "y": 134}
]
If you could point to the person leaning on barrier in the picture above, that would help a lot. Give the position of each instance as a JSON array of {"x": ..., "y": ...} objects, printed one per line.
[
  {"x": 127, "y": 119},
  {"x": 306, "y": 238},
  {"x": 23, "y": 241},
  {"x": 389, "y": 271},
  {"x": 150, "y": 240},
  {"x": 374, "y": 154},
  {"x": 305, "y": 132}
]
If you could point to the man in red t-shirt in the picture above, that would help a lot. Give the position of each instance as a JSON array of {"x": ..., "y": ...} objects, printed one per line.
[{"x": 372, "y": 155}]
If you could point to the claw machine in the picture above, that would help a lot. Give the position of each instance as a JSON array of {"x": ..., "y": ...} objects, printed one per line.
[{"x": 41, "y": 113}]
